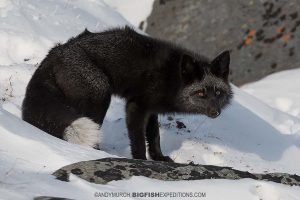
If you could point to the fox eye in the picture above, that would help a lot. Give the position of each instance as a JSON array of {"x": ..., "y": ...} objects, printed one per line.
[
  {"x": 218, "y": 92},
  {"x": 201, "y": 93}
]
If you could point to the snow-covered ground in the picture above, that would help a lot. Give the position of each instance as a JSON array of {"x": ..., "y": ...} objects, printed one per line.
[
  {"x": 259, "y": 132},
  {"x": 135, "y": 11},
  {"x": 286, "y": 93}
]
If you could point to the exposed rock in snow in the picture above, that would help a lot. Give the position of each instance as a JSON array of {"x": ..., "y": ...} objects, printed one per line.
[{"x": 105, "y": 170}]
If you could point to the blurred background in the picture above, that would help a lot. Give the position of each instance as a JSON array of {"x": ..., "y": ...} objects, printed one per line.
[{"x": 262, "y": 35}]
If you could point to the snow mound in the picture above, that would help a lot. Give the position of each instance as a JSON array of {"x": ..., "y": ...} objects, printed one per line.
[
  {"x": 29, "y": 28},
  {"x": 135, "y": 11},
  {"x": 252, "y": 134},
  {"x": 285, "y": 95}
]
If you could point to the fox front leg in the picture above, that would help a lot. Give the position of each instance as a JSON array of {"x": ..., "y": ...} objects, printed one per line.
[
  {"x": 136, "y": 118},
  {"x": 153, "y": 139}
]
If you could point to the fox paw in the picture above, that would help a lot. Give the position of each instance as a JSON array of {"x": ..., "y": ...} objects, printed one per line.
[{"x": 163, "y": 158}]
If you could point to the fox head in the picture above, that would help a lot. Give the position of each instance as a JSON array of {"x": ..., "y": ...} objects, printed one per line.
[{"x": 206, "y": 88}]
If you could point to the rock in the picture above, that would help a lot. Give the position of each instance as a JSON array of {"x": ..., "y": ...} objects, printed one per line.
[
  {"x": 180, "y": 125},
  {"x": 263, "y": 35},
  {"x": 105, "y": 170}
]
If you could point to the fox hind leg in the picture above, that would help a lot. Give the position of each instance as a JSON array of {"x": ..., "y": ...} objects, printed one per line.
[
  {"x": 70, "y": 108},
  {"x": 55, "y": 117},
  {"x": 90, "y": 96}
]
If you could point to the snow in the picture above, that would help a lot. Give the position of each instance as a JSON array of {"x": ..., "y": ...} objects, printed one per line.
[
  {"x": 286, "y": 95},
  {"x": 259, "y": 132},
  {"x": 29, "y": 28},
  {"x": 135, "y": 11}
]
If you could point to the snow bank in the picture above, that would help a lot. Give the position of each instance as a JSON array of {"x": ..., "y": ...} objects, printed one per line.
[
  {"x": 280, "y": 90},
  {"x": 29, "y": 28},
  {"x": 252, "y": 135},
  {"x": 135, "y": 11}
]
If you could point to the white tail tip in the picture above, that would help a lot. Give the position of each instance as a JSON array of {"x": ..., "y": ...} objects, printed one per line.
[{"x": 83, "y": 131}]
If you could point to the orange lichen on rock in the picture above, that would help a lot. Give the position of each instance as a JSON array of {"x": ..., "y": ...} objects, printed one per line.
[
  {"x": 249, "y": 37},
  {"x": 286, "y": 38},
  {"x": 251, "y": 33},
  {"x": 279, "y": 29},
  {"x": 248, "y": 41}
]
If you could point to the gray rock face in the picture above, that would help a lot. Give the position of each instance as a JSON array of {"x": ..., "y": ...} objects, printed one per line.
[
  {"x": 105, "y": 170},
  {"x": 263, "y": 35}
]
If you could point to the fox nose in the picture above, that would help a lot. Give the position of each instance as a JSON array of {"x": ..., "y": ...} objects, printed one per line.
[{"x": 213, "y": 113}]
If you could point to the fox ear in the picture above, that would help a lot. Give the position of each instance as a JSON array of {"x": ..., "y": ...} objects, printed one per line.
[
  {"x": 220, "y": 65},
  {"x": 187, "y": 64}
]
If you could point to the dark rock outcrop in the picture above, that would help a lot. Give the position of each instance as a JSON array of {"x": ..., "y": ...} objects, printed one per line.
[
  {"x": 105, "y": 170},
  {"x": 263, "y": 35}
]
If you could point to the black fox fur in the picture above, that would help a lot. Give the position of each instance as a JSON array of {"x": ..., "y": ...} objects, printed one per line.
[{"x": 70, "y": 92}]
